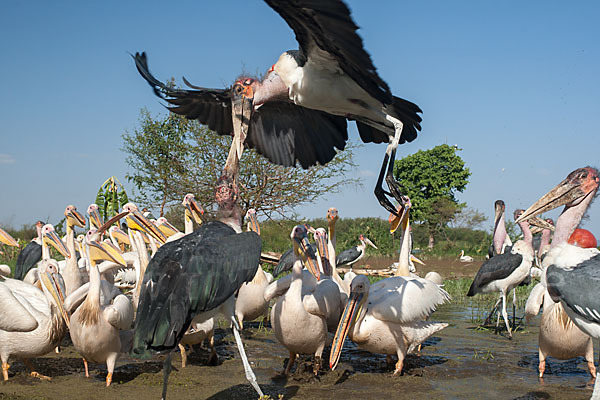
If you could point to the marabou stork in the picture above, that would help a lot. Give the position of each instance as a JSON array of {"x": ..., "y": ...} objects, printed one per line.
[
  {"x": 298, "y": 318},
  {"x": 573, "y": 273},
  {"x": 307, "y": 96},
  {"x": 389, "y": 316},
  {"x": 353, "y": 254},
  {"x": 506, "y": 271},
  {"x": 195, "y": 278},
  {"x": 30, "y": 255}
]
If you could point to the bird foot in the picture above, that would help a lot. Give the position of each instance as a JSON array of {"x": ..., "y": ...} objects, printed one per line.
[
  {"x": 317, "y": 365},
  {"x": 5, "y": 367},
  {"x": 108, "y": 379},
  {"x": 542, "y": 368},
  {"x": 399, "y": 366},
  {"x": 87, "y": 371},
  {"x": 592, "y": 369},
  {"x": 183, "y": 355},
  {"x": 36, "y": 374}
]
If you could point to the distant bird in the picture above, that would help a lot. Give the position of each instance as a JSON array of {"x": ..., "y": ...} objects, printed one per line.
[
  {"x": 572, "y": 277},
  {"x": 465, "y": 259},
  {"x": 353, "y": 254},
  {"x": 307, "y": 96},
  {"x": 30, "y": 255},
  {"x": 504, "y": 272}
]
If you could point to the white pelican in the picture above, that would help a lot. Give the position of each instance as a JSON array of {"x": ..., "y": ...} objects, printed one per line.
[
  {"x": 9, "y": 241},
  {"x": 95, "y": 327},
  {"x": 94, "y": 216},
  {"x": 32, "y": 321},
  {"x": 297, "y": 319},
  {"x": 250, "y": 303},
  {"x": 71, "y": 272},
  {"x": 465, "y": 259},
  {"x": 389, "y": 317}
]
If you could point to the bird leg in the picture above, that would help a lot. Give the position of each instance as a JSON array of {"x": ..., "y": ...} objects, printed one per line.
[
  {"x": 505, "y": 315},
  {"x": 399, "y": 365},
  {"x": 85, "y": 365},
  {"x": 514, "y": 322},
  {"x": 249, "y": 374},
  {"x": 183, "y": 355},
  {"x": 489, "y": 318},
  {"x": 542, "y": 364},
  {"x": 166, "y": 371},
  {"x": 212, "y": 358},
  {"x": 34, "y": 373},
  {"x": 5, "y": 368},
  {"x": 317, "y": 365},
  {"x": 380, "y": 194},
  {"x": 290, "y": 363}
]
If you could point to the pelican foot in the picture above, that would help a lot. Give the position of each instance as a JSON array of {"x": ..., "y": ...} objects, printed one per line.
[
  {"x": 36, "y": 374},
  {"x": 289, "y": 364},
  {"x": 592, "y": 369},
  {"x": 399, "y": 365},
  {"x": 317, "y": 365},
  {"x": 87, "y": 371},
  {"x": 183, "y": 355},
  {"x": 542, "y": 368},
  {"x": 213, "y": 358},
  {"x": 5, "y": 367},
  {"x": 108, "y": 379}
]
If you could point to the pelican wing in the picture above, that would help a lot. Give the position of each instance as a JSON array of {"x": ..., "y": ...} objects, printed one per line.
[
  {"x": 14, "y": 317},
  {"x": 120, "y": 313},
  {"x": 212, "y": 107},
  {"x": 325, "y": 31},
  {"x": 535, "y": 301},
  {"x": 402, "y": 300},
  {"x": 287, "y": 134},
  {"x": 314, "y": 304},
  {"x": 194, "y": 274}
]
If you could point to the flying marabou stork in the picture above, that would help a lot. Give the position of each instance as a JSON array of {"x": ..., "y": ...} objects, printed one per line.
[
  {"x": 573, "y": 274},
  {"x": 306, "y": 97}
]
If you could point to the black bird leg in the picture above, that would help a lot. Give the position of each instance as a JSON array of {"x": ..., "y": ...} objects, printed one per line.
[
  {"x": 380, "y": 194},
  {"x": 166, "y": 371},
  {"x": 393, "y": 185}
]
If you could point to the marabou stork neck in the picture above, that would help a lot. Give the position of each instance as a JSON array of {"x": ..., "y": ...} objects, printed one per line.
[
  {"x": 573, "y": 275},
  {"x": 306, "y": 97},
  {"x": 500, "y": 237}
]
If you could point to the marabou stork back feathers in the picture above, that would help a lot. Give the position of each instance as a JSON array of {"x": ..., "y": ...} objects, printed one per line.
[{"x": 192, "y": 275}]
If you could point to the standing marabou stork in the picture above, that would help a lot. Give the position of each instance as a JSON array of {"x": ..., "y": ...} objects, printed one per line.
[
  {"x": 307, "y": 96},
  {"x": 353, "y": 254},
  {"x": 505, "y": 271},
  {"x": 30, "y": 255},
  {"x": 573, "y": 273}
]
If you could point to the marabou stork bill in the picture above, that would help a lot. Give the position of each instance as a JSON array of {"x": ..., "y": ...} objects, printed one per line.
[
  {"x": 573, "y": 274},
  {"x": 298, "y": 113}
]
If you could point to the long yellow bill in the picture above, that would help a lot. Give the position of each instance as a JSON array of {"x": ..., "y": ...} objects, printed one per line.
[
  {"x": 56, "y": 287},
  {"x": 7, "y": 239},
  {"x": 347, "y": 320},
  {"x": 54, "y": 240}
]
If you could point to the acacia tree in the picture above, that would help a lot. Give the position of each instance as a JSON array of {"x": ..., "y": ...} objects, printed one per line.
[
  {"x": 431, "y": 178},
  {"x": 171, "y": 156}
]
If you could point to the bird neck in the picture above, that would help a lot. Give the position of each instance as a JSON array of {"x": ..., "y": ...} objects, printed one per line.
[
  {"x": 90, "y": 309},
  {"x": 189, "y": 225},
  {"x": 499, "y": 234},
  {"x": 569, "y": 219},
  {"x": 403, "y": 260},
  {"x": 527, "y": 236},
  {"x": 545, "y": 240}
]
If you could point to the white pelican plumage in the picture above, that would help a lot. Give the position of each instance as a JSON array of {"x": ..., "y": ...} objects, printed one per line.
[
  {"x": 389, "y": 317},
  {"x": 297, "y": 319},
  {"x": 32, "y": 321},
  {"x": 71, "y": 272},
  {"x": 95, "y": 327}
]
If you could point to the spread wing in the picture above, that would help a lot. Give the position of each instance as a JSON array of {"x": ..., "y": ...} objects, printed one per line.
[{"x": 325, "y": 31}]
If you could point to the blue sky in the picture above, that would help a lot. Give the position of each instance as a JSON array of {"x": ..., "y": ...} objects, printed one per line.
[{"x": 514, "y": 84}]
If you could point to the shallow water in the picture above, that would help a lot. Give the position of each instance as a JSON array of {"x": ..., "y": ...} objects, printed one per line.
[{"x": 459, "y": 362}]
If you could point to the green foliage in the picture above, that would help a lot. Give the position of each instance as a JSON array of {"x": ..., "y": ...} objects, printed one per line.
[
  {"x": 431, "y": 179},
  {"x": 111, "y": 198}
]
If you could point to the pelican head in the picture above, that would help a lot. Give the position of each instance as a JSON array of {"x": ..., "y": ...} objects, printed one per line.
[
  {"x": 303, "y": 250},
  {"x": 53, "y": 285},
  {"x": 192, "y": 208},
  {"x": 50, "y": 237},
  {"x": 252, "y": 221},
  {"x": 74, "y": 218},
  {"x": 94, "y": 216},
  {"x": 136, "y": 221},
  {"x": 165, "y": 227},
  {"x": 119, "y": 235},
  {"x": 7, "y": 239},
  {"x": 402, "y": 217},
  {"x": 359, "y": 292},
  {"x": 575, "y": 188},
  {"x": 102, "y": 251}
]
